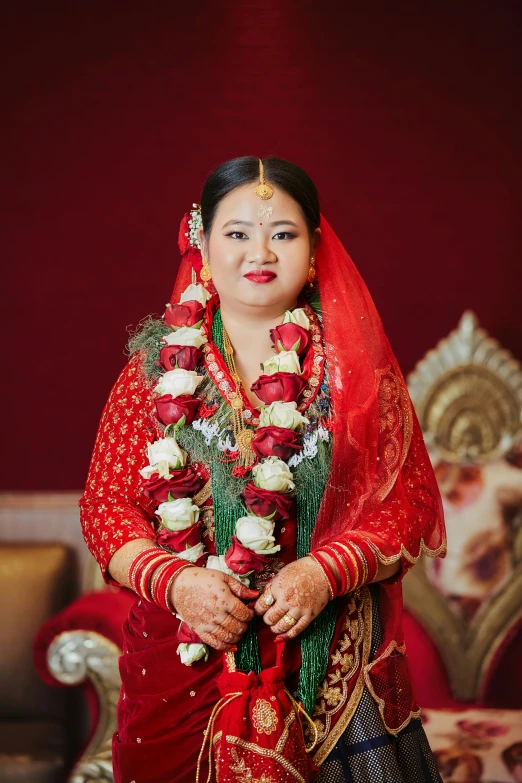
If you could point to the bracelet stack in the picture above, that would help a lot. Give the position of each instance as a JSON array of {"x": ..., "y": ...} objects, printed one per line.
[
  {"x": 152, "y": 573},
  {"x": 356, "y": 565}
]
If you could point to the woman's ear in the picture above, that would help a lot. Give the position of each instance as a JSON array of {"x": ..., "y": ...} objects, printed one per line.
[
  {"x": 202, "y": 242},
  {"x": 316, "y": 238}
]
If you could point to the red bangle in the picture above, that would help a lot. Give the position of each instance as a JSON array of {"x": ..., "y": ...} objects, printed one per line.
[
  {"x": 325, "y": 576},
  {"x": 136, "y": 562},
  {"x": 142, "y": 568},
  {"x": 317, "y": 555},
  {"x": 368, "y": 555},
  {"x": 352, "y": 563},
  {"x": 164, "y": 582},
  {"x": 152, "y": 572},
  {"x": 342, "y": 570},
  {"x": 144, "y": 574}
]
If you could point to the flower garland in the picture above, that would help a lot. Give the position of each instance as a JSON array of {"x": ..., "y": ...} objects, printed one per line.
[{"x": 268, "y": 496}]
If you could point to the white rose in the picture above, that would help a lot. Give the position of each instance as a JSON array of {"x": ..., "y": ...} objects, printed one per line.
[
  {"x": 178, "y": 381},
  {"x": 285, "y": 361},
  {"x": 281, "y": 414},
  {"x": 195, "y": 293},
  {"x": 192, "y": 554},
  {"x": 164, "y": 454},
  {"x": 217, "y": 562},
  {"x": 178, "y": 514},
  {"x": 256, "y": 533},
  {"x": 272, "y": 473},
  {"x": 190, "y": 653},
  {"x": 297, "y": 316},
  {"x": 186, "y": 335},
  {"x": 166, "y": 449}
]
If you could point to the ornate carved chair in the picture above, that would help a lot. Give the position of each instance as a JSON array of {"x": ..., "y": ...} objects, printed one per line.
[
  {"x": 80, "y": 646},
  {"x": 463, "y": 618},
  {"x": 464, "y": 614}
]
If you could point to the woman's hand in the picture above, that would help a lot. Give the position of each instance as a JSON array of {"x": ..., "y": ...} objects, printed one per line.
[
  {"x": 208, "y": 601},
  {"x": 300, "y": 592}
]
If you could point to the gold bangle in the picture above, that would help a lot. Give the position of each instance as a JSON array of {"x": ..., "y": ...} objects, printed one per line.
[
  {"x": 352, "y": 557},
  {"x": 330, "y": 591},
  {"x": 364, "y": 563}
]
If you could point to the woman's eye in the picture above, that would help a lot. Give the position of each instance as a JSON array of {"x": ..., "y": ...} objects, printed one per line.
[
  {"x": 284, "y": 235},
  {"x": 237, "y": 235}
]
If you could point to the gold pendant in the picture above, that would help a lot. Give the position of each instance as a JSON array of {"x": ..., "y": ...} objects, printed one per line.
[{"x": 244, "y": 440}]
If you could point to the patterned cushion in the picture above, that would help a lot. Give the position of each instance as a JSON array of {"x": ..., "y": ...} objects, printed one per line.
[{"x": 476, "y": 744}]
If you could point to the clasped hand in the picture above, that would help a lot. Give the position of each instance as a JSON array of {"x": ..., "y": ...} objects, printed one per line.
[
  {"x": 212, "y": 603},
  {"x": 299, "y": 593}
]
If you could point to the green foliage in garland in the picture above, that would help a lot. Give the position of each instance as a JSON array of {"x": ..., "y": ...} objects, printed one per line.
[{"x": 147, "y": 338}]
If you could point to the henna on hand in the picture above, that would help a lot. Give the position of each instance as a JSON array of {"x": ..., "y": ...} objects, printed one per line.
[
  {"x": 298, "y": 590},
  {"x": 233, "y": 625},
  {"x": 208, "y": 602}
]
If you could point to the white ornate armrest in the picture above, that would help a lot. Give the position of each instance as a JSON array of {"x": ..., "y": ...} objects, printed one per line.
[{"x": 74, "y": 657}]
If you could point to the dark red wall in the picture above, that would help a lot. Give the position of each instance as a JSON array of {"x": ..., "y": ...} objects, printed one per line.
[{"x": 405, "y": 114}]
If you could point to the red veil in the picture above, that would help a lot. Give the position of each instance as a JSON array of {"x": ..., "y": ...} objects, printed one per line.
[
  {"x": 375, "y": 428},
  {"x": 381, "y": 487}
]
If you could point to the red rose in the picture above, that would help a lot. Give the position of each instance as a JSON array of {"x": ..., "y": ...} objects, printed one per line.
[
  {"x": 179, "y": 540},
  {"x": 290, "y": 337},
  {"x": 186, "y": 635},
  {"x": 281, "y": 386},
  {"x": 242, "y": 560},
  {"x": 185, "y": 356},
  {"x": 276, "y": 441},
  {"x": 184, "y": 482},
  {"x": 170, "y": 409},
  {"x": 185, "y": 314},
  {"x": 264, "y": 502}
]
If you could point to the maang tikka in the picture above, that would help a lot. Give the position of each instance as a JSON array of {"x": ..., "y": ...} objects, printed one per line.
[{"x": 263, "y": 190}]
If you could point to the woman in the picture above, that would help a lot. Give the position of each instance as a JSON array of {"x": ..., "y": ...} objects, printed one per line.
[{"x": 278, "y": 506}]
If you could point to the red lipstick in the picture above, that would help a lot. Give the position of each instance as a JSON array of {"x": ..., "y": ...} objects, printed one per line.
[{"x": 261, "y": 276}]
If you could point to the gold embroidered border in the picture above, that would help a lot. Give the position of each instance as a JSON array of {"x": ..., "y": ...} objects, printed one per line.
[
  {"x": 328, "y": 744},
  {"x": 423, "y": 550},
  {"x": 268, "y": 753},
  {"x": 401, "y": 648},
  {"x": 390, "y": 400}
]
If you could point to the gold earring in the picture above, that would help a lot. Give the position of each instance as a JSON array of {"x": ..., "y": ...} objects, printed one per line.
[
  {"x": 205, "y": 273},
  {"x": 312, "y": 273}
]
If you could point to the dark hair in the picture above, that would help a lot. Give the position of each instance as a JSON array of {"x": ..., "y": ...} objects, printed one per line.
[{"x": 239, "y": 171}]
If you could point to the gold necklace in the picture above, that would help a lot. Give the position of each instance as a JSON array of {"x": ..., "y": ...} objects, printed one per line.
[{"x": 243, "y": 435}]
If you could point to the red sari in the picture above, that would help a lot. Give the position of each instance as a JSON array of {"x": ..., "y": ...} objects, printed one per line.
[{"x": 381, "y": 490}]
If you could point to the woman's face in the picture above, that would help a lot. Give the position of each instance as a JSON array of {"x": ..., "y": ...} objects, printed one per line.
[{"x": 258, "y": 251}]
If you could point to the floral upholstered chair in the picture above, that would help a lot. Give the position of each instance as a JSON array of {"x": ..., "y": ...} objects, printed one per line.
[{"x": 463, "y": 622}]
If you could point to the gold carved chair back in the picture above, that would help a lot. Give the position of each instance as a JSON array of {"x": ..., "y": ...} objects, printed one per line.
[{"x": 468, "y": 396}]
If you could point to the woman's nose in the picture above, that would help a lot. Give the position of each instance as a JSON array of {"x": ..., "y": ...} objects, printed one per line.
[{"x": 262, "y": 254}]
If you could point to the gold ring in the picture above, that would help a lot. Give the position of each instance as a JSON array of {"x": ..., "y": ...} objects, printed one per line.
[
  {"x": 289, "y": 620},
  {"x": 268, "y": 598}
]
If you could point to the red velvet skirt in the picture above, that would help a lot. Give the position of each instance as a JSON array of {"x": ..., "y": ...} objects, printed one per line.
[{"x": 165, "y": 706}]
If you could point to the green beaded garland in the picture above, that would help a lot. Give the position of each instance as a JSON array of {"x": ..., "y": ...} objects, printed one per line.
[{"x": 316, "y": 639}]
